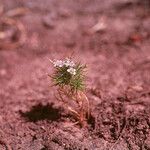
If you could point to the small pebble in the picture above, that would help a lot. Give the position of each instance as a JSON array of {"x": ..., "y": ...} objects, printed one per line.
[{"x": 3, "y": 72}]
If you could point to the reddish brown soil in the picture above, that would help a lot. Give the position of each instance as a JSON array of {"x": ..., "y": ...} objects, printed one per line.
[{"x": 118, "y": 78}]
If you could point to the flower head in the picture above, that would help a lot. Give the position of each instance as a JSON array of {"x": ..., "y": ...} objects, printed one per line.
[
  {"x": 72, "y": 71},
  {"x": 69, "y": 63},
  {"x": 58, "y": 63}
]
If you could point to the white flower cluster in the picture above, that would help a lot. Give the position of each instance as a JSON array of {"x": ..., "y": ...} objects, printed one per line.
[
  {"x": 72, "y": 71},
  {"x": 58, "y": 63},
  {"x": 68, "y": 63}
]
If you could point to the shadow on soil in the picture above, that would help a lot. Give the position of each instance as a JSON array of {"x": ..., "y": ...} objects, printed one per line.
[
  {"x": 42, "y": 112},
  {"x": 91, "y": 121}
]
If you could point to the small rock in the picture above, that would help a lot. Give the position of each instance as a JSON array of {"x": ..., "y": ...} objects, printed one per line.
[
  {"x": 48, "y": 22},
  {"x": 64, "y": 13},
  {"x": 3, "y": 72},
  {"x": 20, "y": 133},
  {"x": 1, "y": 118},
  {"x": 100, "y": 26},
  {"x": 137, "y": 88}
]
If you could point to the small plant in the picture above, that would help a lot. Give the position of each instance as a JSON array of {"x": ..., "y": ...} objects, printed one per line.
[{"x": 69, "y": 79}]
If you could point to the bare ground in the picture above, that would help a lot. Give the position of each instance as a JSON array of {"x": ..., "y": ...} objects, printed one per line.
[{"x": 111, "y": 37}]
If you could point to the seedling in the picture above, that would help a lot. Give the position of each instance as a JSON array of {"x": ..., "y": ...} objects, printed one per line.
[{"x": 69, "y": 77}]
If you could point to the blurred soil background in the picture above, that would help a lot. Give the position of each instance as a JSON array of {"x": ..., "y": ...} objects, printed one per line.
[{"x": 111, "y": 36}]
